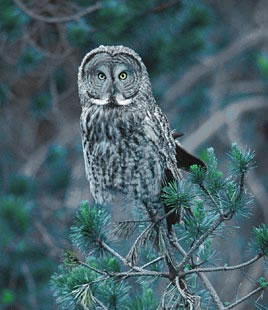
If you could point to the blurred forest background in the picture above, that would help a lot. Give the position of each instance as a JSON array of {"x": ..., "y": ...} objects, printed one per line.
[{"x": 208, "y": 63}]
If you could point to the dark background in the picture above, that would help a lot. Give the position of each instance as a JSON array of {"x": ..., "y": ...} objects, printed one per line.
[{"x": 208, "y": 63}]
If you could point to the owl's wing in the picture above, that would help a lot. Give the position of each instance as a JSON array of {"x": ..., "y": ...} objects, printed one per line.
[
  {"x": 85, "y": 142},
  {"x": 184, "y": 159},
  {"x": 177, "y": 158},
  {"x": 166, "y": 142}
]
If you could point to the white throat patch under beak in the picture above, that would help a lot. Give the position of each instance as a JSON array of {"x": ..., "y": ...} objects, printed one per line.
[
  {"x": 100, "y": 101},
  {"x": 120, "y": 100}
]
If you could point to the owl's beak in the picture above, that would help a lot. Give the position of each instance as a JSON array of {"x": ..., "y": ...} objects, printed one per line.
[
  {"x": 115, "y": 98},
  {"x": 112, "y": 100},
  {"x": 112, "y": 90}
]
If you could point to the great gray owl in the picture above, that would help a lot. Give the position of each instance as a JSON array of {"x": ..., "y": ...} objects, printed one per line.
[{"x": 127, "y": 141}]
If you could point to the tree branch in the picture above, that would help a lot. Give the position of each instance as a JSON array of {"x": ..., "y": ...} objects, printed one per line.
[
  {"x": 209, "y": 65},
  {"x": 163, "y": 6},
  {"x": 31, "y": 285},
  {"x": 239, "y": 301},
  {"x": 132, "y": 254},
  {"x": 202, "y": 276},
  {"x": 224, "y": 268},
  {"x": 62, "y": 19},
  {"x": 200, "y": 241},
  {"x": 100, "y": 303},
  {"x": 220, "y": 118},
  {"x": 211, "y": 290},
  {"x": 92, "y": 268},
  {"x": 211, "y": 198},
  {"x": 153, "y": 261},
  {"x": 127, "y": 274},
  {"x": 127, "y": 263}
]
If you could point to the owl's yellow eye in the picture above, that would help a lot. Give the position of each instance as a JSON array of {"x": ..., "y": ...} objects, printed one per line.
[
  {"x": 101, "y": 76},
  {"x": 122, "y": 75}
]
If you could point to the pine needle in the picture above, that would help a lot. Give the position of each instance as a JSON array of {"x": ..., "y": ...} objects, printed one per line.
[
  {"x": 139, "y": 242},
  {"x": 126, "y": 228}
]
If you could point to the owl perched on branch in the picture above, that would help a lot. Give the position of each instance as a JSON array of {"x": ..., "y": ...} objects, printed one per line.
[{"x": 128, "y": 145}]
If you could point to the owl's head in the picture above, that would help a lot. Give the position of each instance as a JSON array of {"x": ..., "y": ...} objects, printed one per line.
[{"x": 112, "y": 76}]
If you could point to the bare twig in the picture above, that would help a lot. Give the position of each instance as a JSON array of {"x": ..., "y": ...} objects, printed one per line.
[
  {"x": 218, "y": 119},
  {"x": 163, "y": 6},
  {"x": 47, "y": 238},
  {"x": 62, "y": 19},
  {"x": 209, "y": 65},
  {"x": 166, "y": 292},
  {"x": 65, "y": 136},
  {"x": 185, "y": 295},
  {"x": 211, "y": 290},
  {"x": 175, "y": 243},
  {"x": 31, "y": 285},
  {"x": 247, "y": 87},
  {"x": 239, "y": 301},
  {"x": 127, "y": 274},
  {"x": 57, "y": 55},
  {"x": 224, "y": 268},
  {"x": 156, "y": 260},
  {"x": 114, "y": 253}
]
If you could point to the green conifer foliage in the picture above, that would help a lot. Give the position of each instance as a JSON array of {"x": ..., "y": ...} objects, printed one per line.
[{"x": 101, "y": 278}]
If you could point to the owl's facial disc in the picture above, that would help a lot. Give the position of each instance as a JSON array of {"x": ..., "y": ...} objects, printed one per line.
[{"x": 112, "y": 80}]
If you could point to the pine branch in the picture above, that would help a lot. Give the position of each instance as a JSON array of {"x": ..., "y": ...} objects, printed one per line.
[
  {"x": 199, "y": 224},
  {"x": 139, "y": 242},
  {"x": 190, "y": 300},
  {"x": 129, "y": 273},
  {"x": 127, "y": 263},
  {"x": 175, "y": 243},
  {"x": 166, "y": 248},
  {"x": 126, "y": 228},
  {"x": 153, "y": 261},
  {"x": 100, "y": 304},
  {"x": 113, "y": 252},
  {"x": 211, "y": 290},
  {"x": 164, "y": 243},
  {"x": 166, "y": 292},
  {"x": 145, "y": 273},
  {"x": 196, "y": 245},
  {"x": 202, "y": 276},
  {"x": 211, "y": 198},
  {"x": 224, "y": 268},
  {"x": 92, "y": 268},
  {"x": 101, "y": 279}
]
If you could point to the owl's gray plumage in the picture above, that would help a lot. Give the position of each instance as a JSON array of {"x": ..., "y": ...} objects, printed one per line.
[{"x": 127, "y": 141}]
